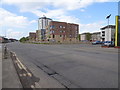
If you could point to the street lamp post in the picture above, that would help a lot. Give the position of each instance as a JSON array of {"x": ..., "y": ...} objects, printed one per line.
[{"x": 108, "y": 23}]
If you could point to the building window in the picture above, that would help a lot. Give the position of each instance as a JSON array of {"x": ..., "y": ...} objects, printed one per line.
[
  {"x": 60, "y": 35},
  {"x": 76, "y": 32},
  {"x": 60, "y": 26},
  {"x": 53, "y": 31},
  {"x": 52, "y": 26},
  {"x": 53, "y": 36},
  {"x": 63, "y": 26},
  {"x": 50, "y": 32},
  {"x": 76, "y": 27},
  {"x": 60, "y": 31},
  {"x": 103, "y": 34},
  {"x": 70, "y": 36},
  {"x": 103, "y": 31}
]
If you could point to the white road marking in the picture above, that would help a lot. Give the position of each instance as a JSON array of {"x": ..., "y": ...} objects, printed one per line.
[
  {"x": 24, "y": 74},
  {"x": 29, "y": 74},
  {"x": 32, "y": 86},
  {"x": 37, "y": 85},
  {"x": 19, "y": 66},
  {"x": 21, "y": 75}
]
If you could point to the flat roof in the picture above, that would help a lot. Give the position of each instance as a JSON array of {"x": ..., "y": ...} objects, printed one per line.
[
  {"x": 110, "y": 26},
  {"x": 45, "y": 18},
  {"x": 64, "y": 22}
]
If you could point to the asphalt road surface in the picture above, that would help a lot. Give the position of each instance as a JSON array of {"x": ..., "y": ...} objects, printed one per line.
[{"x": 82, "y": 65}]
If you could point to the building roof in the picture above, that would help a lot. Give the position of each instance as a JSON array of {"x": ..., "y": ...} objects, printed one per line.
[
  {"x": 45, "y": 18},
  {"x": 110, "y": 26},
  {"x": 95, "y": 33},
  {"x": 32, "y": 32},
  {"x": 58, "y": 22},
  {"x": 85, "y": 33},
  {"x": 64, "y": 22}
]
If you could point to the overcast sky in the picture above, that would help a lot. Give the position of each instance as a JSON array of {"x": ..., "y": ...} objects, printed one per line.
[{"x": 19, "y": 17}]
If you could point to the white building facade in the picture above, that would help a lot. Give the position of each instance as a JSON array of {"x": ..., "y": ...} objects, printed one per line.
[
  {"x": 96, "y": 36},
  {"x": 42, "y": 23},
  {"x": 108, "y": 33},
  {"x": 83, "y": 36}
]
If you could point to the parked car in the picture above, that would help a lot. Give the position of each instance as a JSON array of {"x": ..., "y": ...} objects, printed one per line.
[
  {"x": 108, "y": 43},
  {"x": 96, "y": 42}
]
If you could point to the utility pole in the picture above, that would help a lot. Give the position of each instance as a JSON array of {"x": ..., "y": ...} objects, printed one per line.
[{"x": 108, "y": 23}]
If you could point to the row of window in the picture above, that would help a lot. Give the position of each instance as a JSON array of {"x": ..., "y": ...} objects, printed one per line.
[
  {"x": 62, "y": 32},
  {"x": 103, "y": 33},
  {"x": 54, "y": 31},
  {"x": 62, "y": 36},
  {"x": 53, "y": 26}
]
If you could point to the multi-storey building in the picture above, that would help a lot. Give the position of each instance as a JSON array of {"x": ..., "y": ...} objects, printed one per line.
[
  {"x": 96, "y": 36},
  {"x": 85, "y": 36},
  {"x": 108, "y": 33},
  {"x": 42, "y": 23},
  {"x": 32, "y": 36},
  {"x": 62, "y": 32},
  {"x": 38, "y": 35}
]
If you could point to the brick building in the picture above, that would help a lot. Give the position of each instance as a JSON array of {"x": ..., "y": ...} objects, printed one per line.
[
  {"x": 62, "y": 32},
  {"x": 38, "y": 35},
  {"x": 32, "y": 36}
]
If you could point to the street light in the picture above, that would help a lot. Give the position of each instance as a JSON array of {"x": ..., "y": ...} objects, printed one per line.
[{"x": 108, "y": 23}]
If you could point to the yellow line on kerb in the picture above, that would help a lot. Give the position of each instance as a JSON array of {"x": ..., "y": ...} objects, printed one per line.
[{"x": 116, "y": 33}]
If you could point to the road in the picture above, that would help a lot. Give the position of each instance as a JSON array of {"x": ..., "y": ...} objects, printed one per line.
[{"x": 75, "y": 65}]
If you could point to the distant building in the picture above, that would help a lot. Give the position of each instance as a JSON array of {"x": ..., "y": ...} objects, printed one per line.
[
  {"x": 62, "y": 32},
  {"x": 12, "y": 40},
  {"x": 96, "y": 36},
  {"x": 108, "y": 33},
  {"x": 32, "y": 36},
  {"x": 38, "y": 35},
  {"x": 85, "y": 36},
  {"x": 3, "y": 39},
  {"x": 42, "y": 23}
]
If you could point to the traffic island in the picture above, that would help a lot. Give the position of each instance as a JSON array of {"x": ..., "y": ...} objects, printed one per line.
[
  {"x": 10, "y": 77},
  {"x": 27, "y": 79}
]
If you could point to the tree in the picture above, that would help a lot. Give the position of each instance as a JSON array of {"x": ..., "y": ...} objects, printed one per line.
[
  {"x": 88, "y": 36},
  {"x": 23, "y": 39}
]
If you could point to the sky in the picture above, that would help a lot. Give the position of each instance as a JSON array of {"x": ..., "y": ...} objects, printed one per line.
[{"x": 19, "y": 17}]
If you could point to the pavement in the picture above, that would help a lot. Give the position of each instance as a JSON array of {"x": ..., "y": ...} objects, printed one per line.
[{"x": 0, "y": 66}]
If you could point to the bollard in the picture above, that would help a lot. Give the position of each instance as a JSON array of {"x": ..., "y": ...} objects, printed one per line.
[{"x": 5, "y": 52}]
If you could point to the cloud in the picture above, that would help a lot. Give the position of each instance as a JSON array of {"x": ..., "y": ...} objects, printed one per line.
[
  {"x": 91, "y": 27},
  {"x": 10, "y": 33},
  {"x": 9, "y": 19},
  {"x": 82, "y": 10},
  {"x": 27, "y": 5},
  {"x": 49, "y": 13},
  {"x": 69, "y": 19}
]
